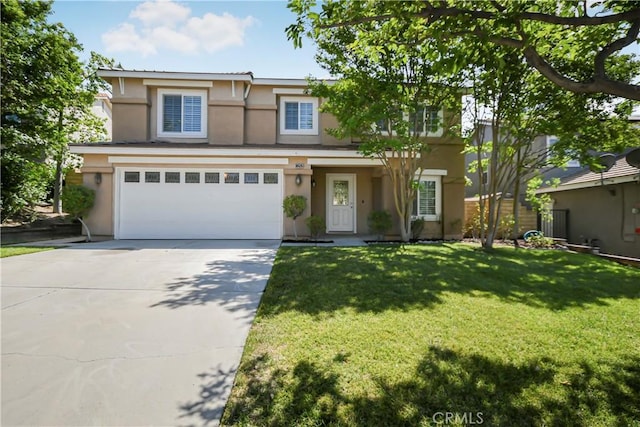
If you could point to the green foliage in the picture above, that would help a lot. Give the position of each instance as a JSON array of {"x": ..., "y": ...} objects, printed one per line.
[
  {"x": 379, "y": 222},
  {"x": 539, "y": 241},
  {"x": 77, "y": 200},
  {"x": 505, "y": 226},
  {"x": 566, "y": 42},
  {"x": 520, "y": 59},
  {"x": 294, "y": 205},
  {"x": 47, "y": 94},
  {"x": 472, "y": 224},
  {"x": 32, "y": 178},
  {"x": 316, "y": 225},
  {"x": 541, "y": 202},
  {"x": 417, "y": 226}
]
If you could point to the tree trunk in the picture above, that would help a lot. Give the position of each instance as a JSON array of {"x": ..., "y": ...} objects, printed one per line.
[
  {"x": 405, "y": 229},
  {"x": 57, "y": 187},
  {"x": 86, "y": 228},
  {"x": 295, "y": 231}
]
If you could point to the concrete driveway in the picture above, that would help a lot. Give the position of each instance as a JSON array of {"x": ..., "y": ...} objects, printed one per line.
[{"x": 127, "y": 332}]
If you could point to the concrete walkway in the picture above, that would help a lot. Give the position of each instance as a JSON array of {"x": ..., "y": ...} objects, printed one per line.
[{"x": 124, "y": 333}]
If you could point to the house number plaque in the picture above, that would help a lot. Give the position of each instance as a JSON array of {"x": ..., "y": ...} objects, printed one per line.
[{"x": 299, "y": 165}]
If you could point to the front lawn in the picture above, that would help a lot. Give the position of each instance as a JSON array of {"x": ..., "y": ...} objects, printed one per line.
[
  {"x": 386, "y": 335},
  {"x": 6, "y": 251}
]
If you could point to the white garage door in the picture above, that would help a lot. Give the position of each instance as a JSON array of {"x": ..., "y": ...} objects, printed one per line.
[{"x": 198, "y": 204}]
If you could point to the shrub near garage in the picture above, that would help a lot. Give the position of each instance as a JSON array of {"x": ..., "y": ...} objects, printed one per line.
[{"x": 77, "y": 200}]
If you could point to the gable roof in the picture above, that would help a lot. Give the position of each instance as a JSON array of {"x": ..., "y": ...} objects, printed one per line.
[{"x": 620, "y": 172}]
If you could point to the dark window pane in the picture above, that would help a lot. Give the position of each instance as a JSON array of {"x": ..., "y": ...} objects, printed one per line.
[
  {"x": 132, "y": 177},
  {"x": 172, "y": 177},
  {"x": 212, "y": 177},
  {"x": 152, "y": 177},
  {"x": 172, "y": 113},
  {"x": 192, "y": 177},
  {"x": 291, "y": 115},
  {"x": 231, "y": 178},
  {"x": 270, "y": 178},
  {"x": 251, "y": 178}
]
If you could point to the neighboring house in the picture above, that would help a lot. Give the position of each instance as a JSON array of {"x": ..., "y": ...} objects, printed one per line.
[
  {"x": 212, "y": 155},
  {"x": 102, "y": 108},
  {"x": 541, "y": 144},
  {"x": 602, "y": 209}
]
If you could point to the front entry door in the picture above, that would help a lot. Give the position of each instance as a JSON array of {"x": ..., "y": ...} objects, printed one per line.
[{"x": 341, "y": 210}]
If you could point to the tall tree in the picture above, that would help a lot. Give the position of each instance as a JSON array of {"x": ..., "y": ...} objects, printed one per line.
[
  {"x": 388, "y": 99},
  {"x": 44, "y": 90},
  {"x": 548, "y": 34}
]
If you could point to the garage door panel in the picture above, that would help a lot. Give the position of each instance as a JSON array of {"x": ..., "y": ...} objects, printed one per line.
[{"x": 199, "y": 211}]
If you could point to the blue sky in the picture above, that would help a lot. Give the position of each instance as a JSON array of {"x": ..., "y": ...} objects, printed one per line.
[
  {"x": 203, "y": 36},
  {"x": 198, "y": 36}
]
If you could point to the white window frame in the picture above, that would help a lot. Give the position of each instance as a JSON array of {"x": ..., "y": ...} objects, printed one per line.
[
  {"x": 405, "y": 116},
  {"x": 203, "y": 113},
  {"x": 438, "y": 196},
  {"x": 298, "y": 99},
  {"x": 571, "y": 163}
]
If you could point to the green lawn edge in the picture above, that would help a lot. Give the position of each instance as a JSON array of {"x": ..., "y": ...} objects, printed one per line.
[{"x": 393, "y": 335}]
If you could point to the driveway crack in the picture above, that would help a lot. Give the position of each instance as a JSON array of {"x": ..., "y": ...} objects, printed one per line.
[{"x": 30, "y": 299}]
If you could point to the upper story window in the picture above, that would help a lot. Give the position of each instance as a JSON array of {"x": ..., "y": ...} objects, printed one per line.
[
  {"x": 425, "y": 121},
  {"x": 298, "y": 115},
  {"x": 182, "y": 113},
  {"x": 427, "y": 204}
]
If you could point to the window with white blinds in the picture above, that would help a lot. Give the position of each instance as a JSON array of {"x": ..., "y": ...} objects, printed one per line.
[
  {"x": 298, "y": 115},
  {"x": 427, "y": 204},
  {"x": 182, "y": 113}
]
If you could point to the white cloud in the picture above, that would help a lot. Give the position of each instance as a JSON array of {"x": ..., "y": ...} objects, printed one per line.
[
  {"x": 160, "y": 12},
  {"x": 168, "y": 26},
  {"x": 216, "y": 32},
  {"x": 125, "y": 38}
]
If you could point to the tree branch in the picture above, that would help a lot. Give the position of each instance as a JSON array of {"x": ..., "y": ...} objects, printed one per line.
[
  {"x": 432, "y": 13},
  {"x": 599, "y": 84},
  {"x": 601, "y": 57}
]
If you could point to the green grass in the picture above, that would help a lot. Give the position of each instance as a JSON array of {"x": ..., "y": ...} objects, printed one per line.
[
  {"x": 6, "y": 251},
  {"x": 391, "y": 336}
]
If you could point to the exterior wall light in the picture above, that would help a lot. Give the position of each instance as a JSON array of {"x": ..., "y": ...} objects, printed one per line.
[
  {"x": 98, "y": 178},
  {"x": 298, "y": 179}
]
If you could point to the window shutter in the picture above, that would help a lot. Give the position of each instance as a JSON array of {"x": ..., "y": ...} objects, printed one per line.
[
  {"x": 172, "y": 112},
  {"x": 192, "y": 114},
  {"x": 306, "y": 115},
  {"x": 291, "y": 115}
]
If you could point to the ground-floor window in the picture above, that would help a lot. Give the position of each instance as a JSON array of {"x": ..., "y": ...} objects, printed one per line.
[{"x": 427, "y": 204}]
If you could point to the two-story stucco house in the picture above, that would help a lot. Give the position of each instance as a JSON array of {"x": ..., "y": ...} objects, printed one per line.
[{"x": 211, "y": 155}]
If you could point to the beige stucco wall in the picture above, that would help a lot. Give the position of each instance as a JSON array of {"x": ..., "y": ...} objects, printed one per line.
[
  {"x": 261, "y": 95},
  {"x": 226, "y": 124},
  {"x": 100, "y": 219},
  {"x": 603, "y": 213},
  {"x": 260, "y": 125},
  {"x": 132, "y": 120}
]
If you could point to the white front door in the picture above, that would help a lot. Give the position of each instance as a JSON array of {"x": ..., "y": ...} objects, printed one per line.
[{"x": 341, "y": 210}]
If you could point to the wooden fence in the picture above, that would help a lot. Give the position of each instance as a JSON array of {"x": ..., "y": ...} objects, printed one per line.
[{"x": 528, "y": 217}]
